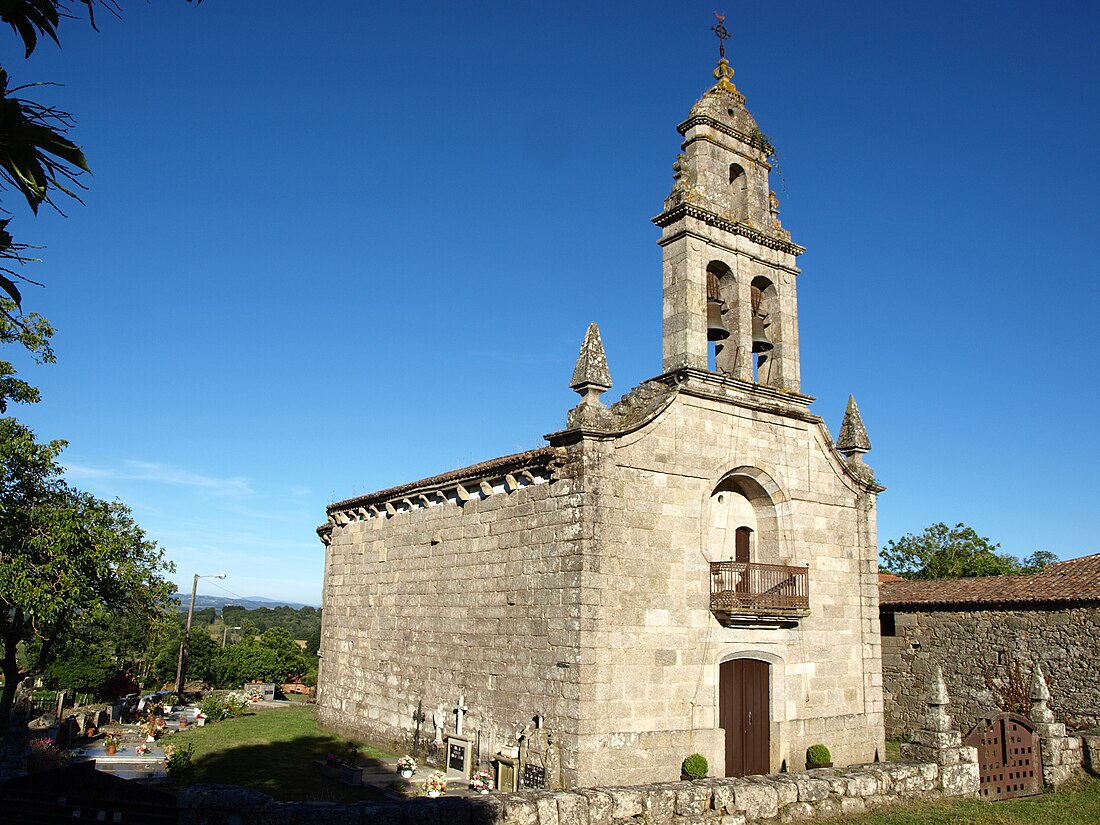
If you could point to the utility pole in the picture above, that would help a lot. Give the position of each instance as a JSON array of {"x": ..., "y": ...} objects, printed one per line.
[{"x": 181, "y": 667}]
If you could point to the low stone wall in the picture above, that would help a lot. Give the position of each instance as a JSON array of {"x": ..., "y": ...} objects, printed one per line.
[
  {"x": 817, "y": 794},
  {"x": 1090, "y": 753},
  {"x": 1066, "y": 642}
]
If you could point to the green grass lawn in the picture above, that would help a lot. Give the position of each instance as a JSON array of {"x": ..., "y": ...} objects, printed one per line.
[
  {"x": 273, "y": 750},
  {"x": 276, "y": 750},
  {"x": 1077, "y": 806}
]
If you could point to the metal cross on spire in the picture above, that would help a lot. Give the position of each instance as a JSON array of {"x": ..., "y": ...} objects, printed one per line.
[{"x": 721, "y": 32}]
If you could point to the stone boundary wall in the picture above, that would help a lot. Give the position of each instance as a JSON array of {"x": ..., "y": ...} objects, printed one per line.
[
  {"x": 1066, "y": 642},
  {"x": 818, "y": 794}
]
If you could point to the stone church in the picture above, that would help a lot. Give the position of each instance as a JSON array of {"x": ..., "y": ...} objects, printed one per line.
[{"x": 692, "y": 569}]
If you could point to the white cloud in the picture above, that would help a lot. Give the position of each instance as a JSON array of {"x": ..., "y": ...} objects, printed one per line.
[{"x": 237, "y": 486}]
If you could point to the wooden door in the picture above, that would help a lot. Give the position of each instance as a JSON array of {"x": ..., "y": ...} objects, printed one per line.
[
  {"x": 741, "y": 548},
  {"x": 744, "y": 713}
]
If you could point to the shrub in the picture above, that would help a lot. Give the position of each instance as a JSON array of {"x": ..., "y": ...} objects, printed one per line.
[
  {"x": 45, "y": 754},
  {"x": 179, "y": 759},
  {"x": 212, "y": 707},
  {"x": 818, "y": 755},
  {"x": 695, "y": 766}
]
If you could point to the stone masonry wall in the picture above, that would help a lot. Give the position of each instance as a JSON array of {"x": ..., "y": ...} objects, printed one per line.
[
  {"x": 792, "y": 797},
  {"x": 655, "y": 649},
  {"x": 1066, "y": 642},
  {"x": 478, "y": 599}
]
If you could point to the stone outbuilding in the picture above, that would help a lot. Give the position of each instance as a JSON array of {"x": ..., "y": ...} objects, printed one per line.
[
  {"x": 692, "y": 569},
  {"x": 987, "y": 634}
]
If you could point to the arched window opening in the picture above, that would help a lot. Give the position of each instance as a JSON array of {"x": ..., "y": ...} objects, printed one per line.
[{"x": 739, "y": 191}]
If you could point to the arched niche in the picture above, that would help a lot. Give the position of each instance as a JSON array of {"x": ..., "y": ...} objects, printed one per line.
[{"x": 742, "y": 509}]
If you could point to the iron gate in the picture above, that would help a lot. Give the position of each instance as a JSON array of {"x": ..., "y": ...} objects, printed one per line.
[{"x": 1009, "y": 759}]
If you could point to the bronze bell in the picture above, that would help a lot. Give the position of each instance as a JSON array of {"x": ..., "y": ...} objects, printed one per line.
[
  {"x": 760, "y": 340},
  {"x": 716, "y": 330}
]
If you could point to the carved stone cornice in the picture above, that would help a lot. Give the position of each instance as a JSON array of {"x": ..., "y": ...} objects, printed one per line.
[
  {"x": 691, "y": 210},
  {"x": 479, "y": 481},
  {"x": 755, "y": 141}
]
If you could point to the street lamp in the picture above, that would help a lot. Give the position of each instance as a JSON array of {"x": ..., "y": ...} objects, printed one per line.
[
  {"x": 181, "y": 668},
  {"x": 225, "y": 632}
]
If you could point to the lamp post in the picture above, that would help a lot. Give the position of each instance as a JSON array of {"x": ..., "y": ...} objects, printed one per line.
[
  {"x": 181, "y": 668},
  {"x": 225, "y": 632}
]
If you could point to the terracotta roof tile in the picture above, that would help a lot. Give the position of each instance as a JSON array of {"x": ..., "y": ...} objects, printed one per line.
[{"x": 1076, "y": 580}]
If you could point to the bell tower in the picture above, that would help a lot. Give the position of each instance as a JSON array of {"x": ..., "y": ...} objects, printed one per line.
[{"x": 729, "y": 266}]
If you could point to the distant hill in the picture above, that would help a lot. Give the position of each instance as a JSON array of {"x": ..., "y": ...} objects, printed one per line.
[{"x": 250, "y": 602}]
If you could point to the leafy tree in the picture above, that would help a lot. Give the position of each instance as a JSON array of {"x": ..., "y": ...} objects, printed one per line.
[
  {"x": 80, "y": 666},
  {"x": 33, "y": 332},
  {"x": 245, "y": 661},
  {"x": 67, "y": 560},
  {"x": 943, "y": 552},
  {"x": 1038, "y": 560}
]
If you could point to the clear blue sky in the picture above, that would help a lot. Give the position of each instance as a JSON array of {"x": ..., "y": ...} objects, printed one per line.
[{"x": 332, "y": 248}]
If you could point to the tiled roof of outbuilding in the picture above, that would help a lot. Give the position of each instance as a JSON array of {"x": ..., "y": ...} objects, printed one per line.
[{"x": 1076, "y": 580}]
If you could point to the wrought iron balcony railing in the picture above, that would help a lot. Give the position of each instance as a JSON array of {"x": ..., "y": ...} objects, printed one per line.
[{"x": 759, "y": 590}]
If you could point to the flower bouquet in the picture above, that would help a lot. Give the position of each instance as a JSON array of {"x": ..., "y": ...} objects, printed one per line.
[
  {"x": 435, "y": 784},
  {"x": 406, "y": 765},
  {"x": 482, "y": 782}
]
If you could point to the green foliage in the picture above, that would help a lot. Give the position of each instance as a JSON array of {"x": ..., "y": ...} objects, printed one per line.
[
  {"x": 941, "y": 552},
  {"x": 80, "y": 667},
  {"x": 302, "y": 623},
  {"x": 1038, "y": 560},
  {"x": 695, "y": 766},
  {"x": 29, "y": 330},
  {"x": 818, "y": 755},
  {"x": 68, "y": 561},
  {"x": 179, "y": 760}
]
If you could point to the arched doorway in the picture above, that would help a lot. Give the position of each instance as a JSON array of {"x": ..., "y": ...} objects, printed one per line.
[{"x": 744, "y": 711}]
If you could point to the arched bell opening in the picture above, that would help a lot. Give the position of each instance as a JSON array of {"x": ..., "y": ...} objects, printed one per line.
[
  {"x": 720, "y": 303},
  {"x": 763, "y": 314}
]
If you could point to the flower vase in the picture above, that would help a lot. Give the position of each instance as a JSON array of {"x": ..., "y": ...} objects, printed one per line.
[
  {"x": 150, "y": 738},
  {"x": 485, "y": 792},
  {"x": 110, "y": 750},
  {"x": 433, "y": 794},
  {"x": 406, "y": 774}
]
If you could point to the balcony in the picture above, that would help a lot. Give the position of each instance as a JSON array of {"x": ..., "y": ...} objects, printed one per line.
[{"x": 769, "y": 594}]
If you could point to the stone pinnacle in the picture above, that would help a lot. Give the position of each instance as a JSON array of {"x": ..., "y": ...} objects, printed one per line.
[
  {"x": 591, "y": 372},
  {"x": 853, "y": 440}
]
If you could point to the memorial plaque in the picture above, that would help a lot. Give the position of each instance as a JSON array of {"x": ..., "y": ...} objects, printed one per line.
[
  {"x": 534, "y": 776},
  {"x": 458, "y": 756}
]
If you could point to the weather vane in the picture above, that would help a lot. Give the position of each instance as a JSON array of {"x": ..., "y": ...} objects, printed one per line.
[{"x": 720, "y": 31}]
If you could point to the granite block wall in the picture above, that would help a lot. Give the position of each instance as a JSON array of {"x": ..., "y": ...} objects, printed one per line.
[{"x": 968, "y": 643}]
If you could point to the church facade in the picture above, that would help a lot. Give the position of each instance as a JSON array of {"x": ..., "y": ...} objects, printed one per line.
[{"x": 690, "y": 570}]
